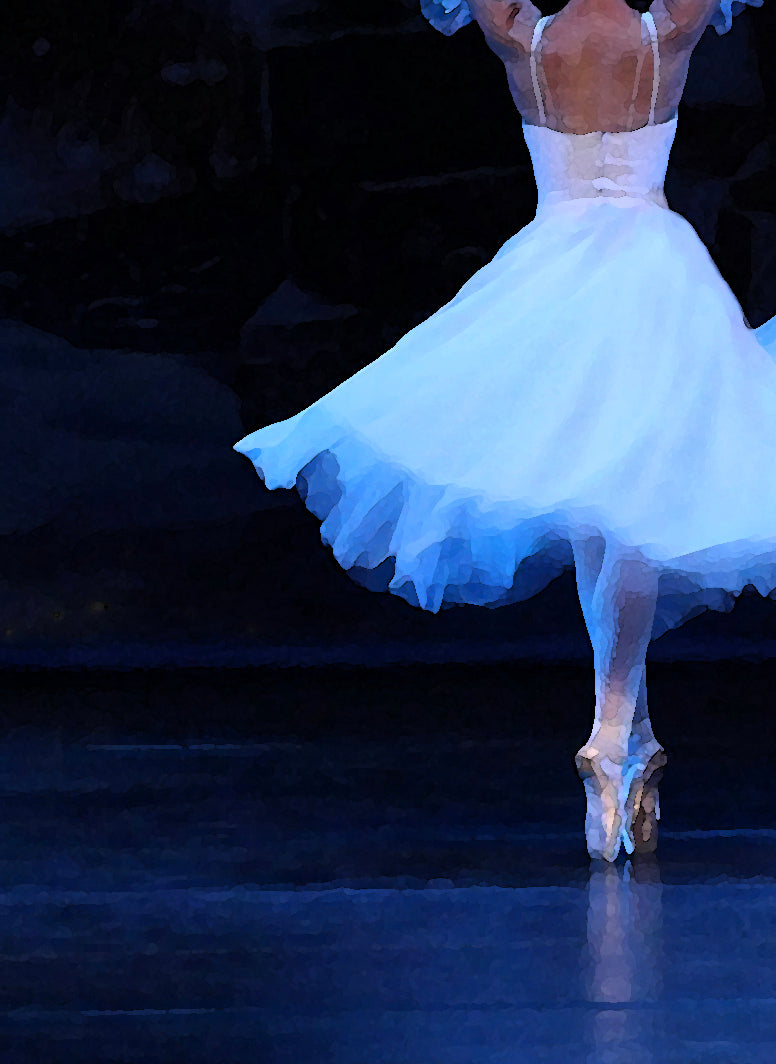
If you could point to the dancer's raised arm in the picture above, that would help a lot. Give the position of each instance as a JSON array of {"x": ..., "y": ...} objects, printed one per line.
[
  {"x": 506, "y": 27},
  {"x": 689, "y": 17},
  {"x": 500, "y": 21}
]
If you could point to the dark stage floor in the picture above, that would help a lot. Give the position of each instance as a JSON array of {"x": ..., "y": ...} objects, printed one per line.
[{"x": 352, "y": 866}]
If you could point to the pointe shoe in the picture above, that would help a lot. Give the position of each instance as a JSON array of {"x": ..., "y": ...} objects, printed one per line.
[
  {"x": 644, "y": 770},
  {"x": 605, "y": 788}
]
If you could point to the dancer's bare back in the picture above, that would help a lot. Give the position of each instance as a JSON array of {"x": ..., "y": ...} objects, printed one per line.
[{"x": 590, "y": 54}]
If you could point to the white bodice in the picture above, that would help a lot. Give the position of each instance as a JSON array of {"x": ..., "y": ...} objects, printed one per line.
[
  {"x": 622, "y": 165},
  {"x": 570, "y": 166}
]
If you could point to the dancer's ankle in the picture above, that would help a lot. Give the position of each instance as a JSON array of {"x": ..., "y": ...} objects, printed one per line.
[{"x": 609, "y": 739}]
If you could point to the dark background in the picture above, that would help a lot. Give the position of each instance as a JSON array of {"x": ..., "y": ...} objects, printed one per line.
[{"x": 212, "y": 214}]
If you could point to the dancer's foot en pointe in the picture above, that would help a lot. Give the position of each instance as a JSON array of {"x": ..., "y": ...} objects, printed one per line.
[{"x": 622, "y": 798}]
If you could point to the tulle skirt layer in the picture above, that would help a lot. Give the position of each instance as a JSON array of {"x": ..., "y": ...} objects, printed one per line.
[{"x": 595, "y": 378}]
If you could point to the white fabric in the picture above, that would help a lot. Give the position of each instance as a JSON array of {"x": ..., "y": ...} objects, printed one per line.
[
  {"x": 537, "y": 34},
  {"x": 650, "y": 21},
  {"x": 570, "y": 166},
  {"x": 596, "y": 377}
]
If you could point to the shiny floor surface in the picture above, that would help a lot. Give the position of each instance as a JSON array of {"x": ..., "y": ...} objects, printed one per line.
[{"x": 387, "y": 895}]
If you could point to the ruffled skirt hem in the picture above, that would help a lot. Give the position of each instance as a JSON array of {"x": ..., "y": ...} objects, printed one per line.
[{"x": 437, "y": 546}]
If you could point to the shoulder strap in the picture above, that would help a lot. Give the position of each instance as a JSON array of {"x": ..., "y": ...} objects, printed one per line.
[
  {"x": 534, "y": 47},
  {"x": 650, "y": 21},
  {"x": 639, "y": 65}
]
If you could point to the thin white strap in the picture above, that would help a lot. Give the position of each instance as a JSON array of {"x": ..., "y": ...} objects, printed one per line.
[
  {"x": 639, "y": 65},
  {"x": 534, "y": 43},
  {"x": 648, "y": 17}
]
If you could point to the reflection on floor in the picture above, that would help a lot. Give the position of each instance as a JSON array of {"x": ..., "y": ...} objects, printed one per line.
[{"x": 415, "y": 896}]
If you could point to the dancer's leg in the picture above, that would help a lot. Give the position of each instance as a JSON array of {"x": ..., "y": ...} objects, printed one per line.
[
  {"x": 618, "y": 594},
  {"x": 588, "y": 559},
  {"x": 641, "y": 731},
  {"x": 622, "y": 612}
]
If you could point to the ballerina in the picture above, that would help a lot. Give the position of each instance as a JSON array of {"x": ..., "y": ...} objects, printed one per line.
[{"x": 592, "y": 397}]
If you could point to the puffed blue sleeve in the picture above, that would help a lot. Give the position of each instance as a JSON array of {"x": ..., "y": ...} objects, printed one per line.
[
  {"x": 722, "y": 19},
  {"x": 447, "y": 16}
]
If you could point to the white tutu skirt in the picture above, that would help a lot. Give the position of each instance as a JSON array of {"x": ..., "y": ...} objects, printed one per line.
[{"x": 596, "y": 378}]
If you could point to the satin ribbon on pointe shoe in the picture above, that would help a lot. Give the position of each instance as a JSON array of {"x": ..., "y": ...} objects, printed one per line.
[{"x": 642, "y": 804}]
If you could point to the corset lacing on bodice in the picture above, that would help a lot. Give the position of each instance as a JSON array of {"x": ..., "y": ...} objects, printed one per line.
[{"x": 625, "y": 166}]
